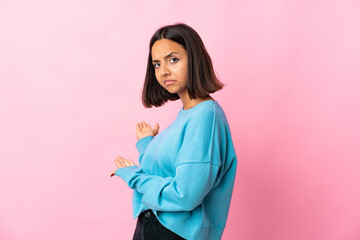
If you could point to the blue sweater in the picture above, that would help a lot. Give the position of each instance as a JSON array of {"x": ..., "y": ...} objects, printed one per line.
[{"x": 186, "y": 174}]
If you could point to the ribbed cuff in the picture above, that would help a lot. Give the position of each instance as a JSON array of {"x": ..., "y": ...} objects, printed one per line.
[
  {"x": 142, "y": 144},
  {"x": 127, "y": 173}
]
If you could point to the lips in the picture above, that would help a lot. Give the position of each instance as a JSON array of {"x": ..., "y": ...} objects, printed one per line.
[{"x": 169, "y": 82}]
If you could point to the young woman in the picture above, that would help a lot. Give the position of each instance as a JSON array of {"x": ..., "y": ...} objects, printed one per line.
[{"x": 184, "y": 184}]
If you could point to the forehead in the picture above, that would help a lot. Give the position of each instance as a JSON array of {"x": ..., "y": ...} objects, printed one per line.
[{"x": 164, "y": 46}]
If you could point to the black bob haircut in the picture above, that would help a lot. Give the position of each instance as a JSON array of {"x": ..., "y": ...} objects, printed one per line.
[{"x": 201, "y": 76}]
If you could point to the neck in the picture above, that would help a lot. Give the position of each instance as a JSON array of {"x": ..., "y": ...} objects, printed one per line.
[{"x": 189, "y": 103}]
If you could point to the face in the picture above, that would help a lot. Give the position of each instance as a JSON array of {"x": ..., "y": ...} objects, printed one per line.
[{"x": 170, "y": 63}]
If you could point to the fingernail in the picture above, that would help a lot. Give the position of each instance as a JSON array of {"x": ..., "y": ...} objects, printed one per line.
[{"x": 112, "y": 174}]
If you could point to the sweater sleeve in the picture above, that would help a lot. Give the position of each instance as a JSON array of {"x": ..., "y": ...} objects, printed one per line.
[
  {"x": 184, "y": 192},
  {"x": 197, "y": 167},
  {"x": 142, "y": 144}
]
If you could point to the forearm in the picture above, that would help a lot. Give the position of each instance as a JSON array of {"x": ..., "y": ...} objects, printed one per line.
[
  {"x": 181, "y": 193},
  {"x": 142, "y": 144}
]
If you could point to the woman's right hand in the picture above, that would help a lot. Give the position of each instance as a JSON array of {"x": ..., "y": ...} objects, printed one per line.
[{"x": 144, "y": 129}]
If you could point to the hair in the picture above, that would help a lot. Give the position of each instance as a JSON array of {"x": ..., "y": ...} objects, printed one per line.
[{"x": 201, "y": 76}]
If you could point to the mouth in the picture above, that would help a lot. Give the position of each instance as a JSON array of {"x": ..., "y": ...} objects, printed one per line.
[{"x": 169, "y": 82}]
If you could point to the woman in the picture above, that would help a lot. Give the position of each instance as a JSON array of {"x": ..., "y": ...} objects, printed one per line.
[{"x": 183, "y": 187}]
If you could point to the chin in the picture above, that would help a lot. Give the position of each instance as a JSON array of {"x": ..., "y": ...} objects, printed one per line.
[{"x": 172, "y": 91}]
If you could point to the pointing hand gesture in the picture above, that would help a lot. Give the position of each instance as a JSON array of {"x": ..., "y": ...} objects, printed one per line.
[{"x": 144, "y": 129}]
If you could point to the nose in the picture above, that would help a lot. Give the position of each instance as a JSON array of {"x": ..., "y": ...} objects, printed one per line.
[{"x": 164, "y": 70}]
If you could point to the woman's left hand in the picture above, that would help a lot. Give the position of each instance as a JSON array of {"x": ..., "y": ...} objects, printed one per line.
[{"x": 122, "y": 162}]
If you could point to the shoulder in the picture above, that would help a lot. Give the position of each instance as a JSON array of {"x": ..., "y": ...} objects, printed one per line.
[
  {"x": 208, "y": 111},
  {"x": 206, "y": 115}
]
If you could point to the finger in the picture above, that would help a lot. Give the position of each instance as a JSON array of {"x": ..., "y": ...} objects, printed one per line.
[
  {"x": 129, "y": 162},
  {"x": 119, "y": 162},
  {"x": 157, "y": 127},
  {"x": 113, "y": 173},
  {"x": 125, "y": 162},
  {"x": 137, "y": 125},
  {"x": 143, "y": 124}
]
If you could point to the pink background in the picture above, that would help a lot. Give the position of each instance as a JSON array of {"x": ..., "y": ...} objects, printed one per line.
[{"x": 71, "y": 76}]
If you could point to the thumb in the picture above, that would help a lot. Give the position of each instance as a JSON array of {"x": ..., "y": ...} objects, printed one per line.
[{"x": 156, "y": 127}]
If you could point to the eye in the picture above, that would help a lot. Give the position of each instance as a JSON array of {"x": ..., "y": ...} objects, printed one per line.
[
  {"x": 156, "y": 65},
  {"x": 174, "y": 60}
]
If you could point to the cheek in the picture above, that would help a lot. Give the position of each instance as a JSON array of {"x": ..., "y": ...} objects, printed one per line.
[
  {"x": 184, "y": 71},
  {"x": 157, "y": 76}
]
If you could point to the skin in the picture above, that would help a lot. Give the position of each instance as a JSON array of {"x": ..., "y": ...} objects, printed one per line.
[
  {"x": 143, "y": 129},
  {"x": 170, "y": 63}
]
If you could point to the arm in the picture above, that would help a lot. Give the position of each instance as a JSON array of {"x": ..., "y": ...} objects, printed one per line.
[
  {"x": 197, "y": 165},
  {"x": 142, "y": 144},
  {"x": 145, "y": 133},
  {"x": 184, "y": 192}
]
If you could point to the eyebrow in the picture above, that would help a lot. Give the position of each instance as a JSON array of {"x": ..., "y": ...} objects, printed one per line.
[{"x": 167, "y": 56}]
